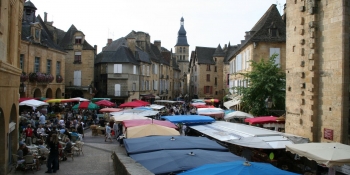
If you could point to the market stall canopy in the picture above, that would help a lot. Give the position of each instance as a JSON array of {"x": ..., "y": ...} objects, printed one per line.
[
  {"x": 167, "y": 101},
  {"x": 263, "y": 120},
  {"x": 127, "y": 116},
  {"x": 213, "y": 112},
  {"x": 86, "y": 105},
  {"x": 105, "y": 103},
  {"x": 329, "y": 154},
  {"x": 110, "y": 110},
  {"x": 79, "y": 99},
  {"x": 132, "y": 104},
  {"x": 141, "y": 112},
  {"x": 231, "y": 103},
  {"x": 175, "y": 161},
  {"x": 203, "y": 106},
  {"x": 144, "y": 108},
  {"x": 232, "y": 132},
  {"x": 156, "y": 143},
  {"x": 237, "y": 114},
  {"x": 198, "y": 104},
  {"x": 139, "y": 122},
  {"x": 149, "y": 130},
  {"x": 237, "y": 168},
  {"x": 188, "y": 119},
  {"x": 33, "y": 103},
  {"x": 157, "y": 107},
  {"x": 60, "y": 100},
  {"x": 212, "y": 100},
  {"x": 98, "y": 99},
  {"x": 24, "y": 99}
]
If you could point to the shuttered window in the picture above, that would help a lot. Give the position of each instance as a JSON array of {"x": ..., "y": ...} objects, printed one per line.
[
  {"x": 117, "y": 90},
  {"x": 278, "y": 52},
  {"x": 77, "y": 78},
  {"x": 118, "y": 68}
]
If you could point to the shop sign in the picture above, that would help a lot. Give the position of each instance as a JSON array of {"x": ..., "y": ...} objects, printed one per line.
[{"x": 328, "y": 134}]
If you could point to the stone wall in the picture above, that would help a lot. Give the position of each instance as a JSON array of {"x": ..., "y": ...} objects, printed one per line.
[{"x": 317, "y": 97}]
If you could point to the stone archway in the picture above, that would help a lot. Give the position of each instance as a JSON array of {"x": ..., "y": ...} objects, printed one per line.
[
  {"x": 49, "y": 93},
  {"x": 3, "y": 137},
  {"x": 37, "y": 93},
  {"x": 12, "y": 139},
  {"x": 58, "y": 93}
]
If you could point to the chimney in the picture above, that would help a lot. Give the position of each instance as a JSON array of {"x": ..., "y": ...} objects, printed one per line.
[
  {"x": 95, "y": 47},
  {"x": 45, "y": 17},
  {"x": 158, "y": 43},
  {"x": 109, "y": 41},
  {"x": 131, "y": 44},
  {"x": 247, "y": 35}
]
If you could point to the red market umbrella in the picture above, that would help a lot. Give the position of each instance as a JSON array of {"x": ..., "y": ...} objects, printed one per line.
[
  {"x": 132, "y": 104},
  {"x": 142, "y": 102},
  {"x": 204, "y": 106},
  {"x": 105, "y": 103},
  {"x": 212, "y": 101},
  {"x": 263, "y": 120},
  {"x": 139, "y": 122},
  {"x": 85, "y": 105},
  {"x": 110, "y": 110}
]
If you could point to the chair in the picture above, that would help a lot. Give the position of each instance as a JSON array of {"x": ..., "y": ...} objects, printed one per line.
[
  {"x": 79, "y": 145},
  {"x": 29, "y": 162},
  {"x": 74, "y": 138},
  {"x": 15, "y": 161},
  {"x": 70, "y": 154}
]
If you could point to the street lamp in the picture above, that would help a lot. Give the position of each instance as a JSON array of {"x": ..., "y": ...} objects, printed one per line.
[{"x": 268, "y": 103}]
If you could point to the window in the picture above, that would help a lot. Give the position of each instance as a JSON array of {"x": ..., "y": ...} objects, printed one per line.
[
  {"x": 208, "y": 67},
  {"x": 134, "y": 69},
  {"x": 180, "y": 51},
  {"x": 78, "y": 39},
  {"x": 37, "y": 34},
  {"x": 37, "y": 64},
  {"x": 184, "y": 50},
  {"x": 143, "y": 69},
  {"x": 208, "y": 89},
  {"x": 227, "y": 79},
  {"x": 77, "y": 78},
  {"x": 77, "y": 57},
  {"x": 215, "y": 60},
  {"x": 274, "y": 32},
  {"x": 216, "y": 92},
  {"x": 278, "y": 52},
  {"x": 147, "y": 70},
  {"x": 117, "y": 90},
  {"x": 118, "y": 68},
  {"x": 48, "y": 67},
  {"x": 155, "y": 69},
  {"x": 134, "y": 86},
  {"x": 21, "y": 60},
  {"x": 215, "y": 69},
  {"x": 216, "y": 81},
  {"x": 208, "y": 77},
  {"x": 58, "y": 68},
  {"x": 247, "y": 58}
]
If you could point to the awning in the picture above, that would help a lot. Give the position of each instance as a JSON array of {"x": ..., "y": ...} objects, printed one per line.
[{"x": 231, "y": 103}]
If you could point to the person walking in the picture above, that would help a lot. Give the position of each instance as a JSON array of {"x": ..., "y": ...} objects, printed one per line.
[
  {"x": 52, "y": 162},
  {"x": 29, "y": 134},
  {"x": 108, "y": 133}
]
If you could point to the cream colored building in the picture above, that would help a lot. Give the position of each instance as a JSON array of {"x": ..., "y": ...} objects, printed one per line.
[
  {"x": 317, "y": 71},
  {"x": 10, "y": 40},
  {"x": 266, "y": 38}
]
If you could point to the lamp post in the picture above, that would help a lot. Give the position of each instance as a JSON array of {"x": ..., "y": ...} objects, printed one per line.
[{"x": 268, "y": 103}]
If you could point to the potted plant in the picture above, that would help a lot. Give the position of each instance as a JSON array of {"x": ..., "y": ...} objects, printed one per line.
[
  {"x": 49, "y": 78},
  {"x": 59, "y": 79},
  {"x": 24, "y": 77},
  {"x": 32, "y": 77},
  {"x": 40, "y": 77}
]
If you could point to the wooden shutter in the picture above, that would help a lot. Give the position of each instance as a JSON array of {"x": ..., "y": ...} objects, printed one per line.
[
  {"x": 211, "y": 89},
  {"x": 134, "y": 69},
  {"x": 115, "y": 70},
  {"x": 79, "y": 78},
  {"x": 204, "y": 90}
]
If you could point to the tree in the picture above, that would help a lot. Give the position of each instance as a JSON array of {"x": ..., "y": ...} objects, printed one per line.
[{"x": 265, "y": 81}]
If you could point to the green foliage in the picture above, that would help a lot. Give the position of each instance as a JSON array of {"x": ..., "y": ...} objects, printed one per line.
[{"x": 265, "y": 80}]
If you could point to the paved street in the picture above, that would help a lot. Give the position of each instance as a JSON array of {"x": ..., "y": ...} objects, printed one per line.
[{"x": 95, "y": 161}]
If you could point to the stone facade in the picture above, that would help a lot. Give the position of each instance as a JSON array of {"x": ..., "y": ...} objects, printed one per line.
[
  {"x": 317, "y": 97},
  {"x": 10, "y": 32}
]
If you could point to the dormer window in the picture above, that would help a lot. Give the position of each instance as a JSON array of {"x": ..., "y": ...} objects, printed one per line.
[
  {"x": 273, "y": 31},
  {"x": 37, "y": 34},
  {"x": 78, "y": 40}
]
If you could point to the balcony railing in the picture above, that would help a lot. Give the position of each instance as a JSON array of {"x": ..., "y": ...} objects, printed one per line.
[{"x": 119, "y": 93}]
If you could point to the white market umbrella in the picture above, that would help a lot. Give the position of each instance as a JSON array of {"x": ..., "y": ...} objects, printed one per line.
[
  {"x": 237, "y": 114},
  {"x": 127, "y": 116},
  {"x": 33, "y": 103},
  {"x": 329, "y": 154},
  {"x": 79, "y": 99}
]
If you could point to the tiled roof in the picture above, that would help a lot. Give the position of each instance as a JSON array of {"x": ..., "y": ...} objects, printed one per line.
[
  {"x": 159, "y": 55},
  {"x": 121, "y": 55},
  {"x": 260, "y": 31},
  {"x": 205, "y": 55},
  {"x": 67, "y": 40},
  {"x": 219, "y": 52},
  {"x": 29, "y": 4}
]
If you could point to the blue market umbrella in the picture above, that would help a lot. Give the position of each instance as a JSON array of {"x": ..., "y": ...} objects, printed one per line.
[
  {"x": 237, "y": 168},
  {"x": 156, "y": 143},
  {"x": 175, "y": 161},
  {"x": 144, "y": 108},
  {"x": 229, "y": 111},
  {"x": 188, "y": 119}
]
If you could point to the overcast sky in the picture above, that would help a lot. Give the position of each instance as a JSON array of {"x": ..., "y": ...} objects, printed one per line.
[{"x": 207, "y": 22}]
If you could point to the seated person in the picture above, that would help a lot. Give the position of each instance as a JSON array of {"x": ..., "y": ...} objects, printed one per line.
[
  {"x": 67, "y": 133},
  {"x": 67, "y": 149},
  {"x": 75, "y": 134},
  {"x": 27, "y": 152},
  {"x": 20, "y": 158},
  {"x": 40, "y": 130}
]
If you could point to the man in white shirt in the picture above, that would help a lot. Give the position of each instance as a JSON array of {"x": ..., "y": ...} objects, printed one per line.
[
  {"x": 40, "y": 130},
  {"x": 108, "y": 133},
  {"x": 42, "y": 119}
]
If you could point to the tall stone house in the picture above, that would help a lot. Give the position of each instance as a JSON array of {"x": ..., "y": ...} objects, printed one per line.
[
  {"x": 317, "y": 72},
  {"x": 132, "y": 67},
  {"x": 79, "y": 62},
  {"x": 41, "y": 59},
  {"x": 206, "y": 68},
  {"x": 11, "y": 14},
  {"x": 182, "y": 56},
  {"x": 267, "y": 37}
]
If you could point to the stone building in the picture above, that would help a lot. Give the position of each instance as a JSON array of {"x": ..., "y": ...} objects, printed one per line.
[
  {"x": 41, "y": 59},
  {"x": 267, "y": 37},
  {"x": 11, "y": 14},
  {"x": 182, "y": 56},
  {"x": 206, "y": 68},
  {"x": 317, "y": 72},
  {"x": 79, "y": 61}
]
